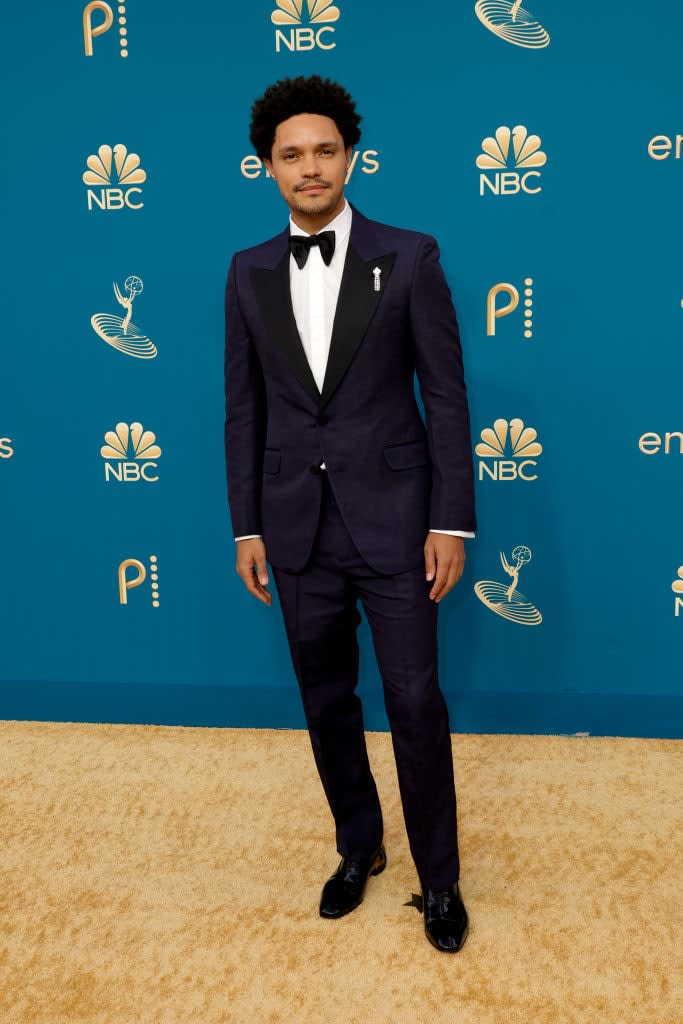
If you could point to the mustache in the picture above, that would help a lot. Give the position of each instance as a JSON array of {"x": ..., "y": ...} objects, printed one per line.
[{"x": 310, "y": 184}]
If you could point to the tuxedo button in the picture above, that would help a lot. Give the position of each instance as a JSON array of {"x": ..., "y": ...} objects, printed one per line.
[
  {"x": 323, "y": 420},
  {"x": 315, "y": 469}
]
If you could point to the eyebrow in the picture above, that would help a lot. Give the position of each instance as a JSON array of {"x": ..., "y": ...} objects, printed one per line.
[{"x": 319, "y": 145}]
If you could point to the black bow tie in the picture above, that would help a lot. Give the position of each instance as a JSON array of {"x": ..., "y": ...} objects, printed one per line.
[{"x": 300, "y": 246}]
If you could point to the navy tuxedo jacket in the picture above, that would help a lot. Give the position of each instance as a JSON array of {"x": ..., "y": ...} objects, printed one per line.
[{"x": 392, "y": 478}]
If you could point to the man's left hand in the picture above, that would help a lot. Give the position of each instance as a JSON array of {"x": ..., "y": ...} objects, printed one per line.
[{"x": 445, "y": 560}]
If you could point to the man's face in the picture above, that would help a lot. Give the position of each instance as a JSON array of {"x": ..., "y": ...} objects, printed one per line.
[{"x": 309, "y": 164}]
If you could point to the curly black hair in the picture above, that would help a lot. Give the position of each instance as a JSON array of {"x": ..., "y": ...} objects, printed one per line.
[{"x": 291, "y": 96}]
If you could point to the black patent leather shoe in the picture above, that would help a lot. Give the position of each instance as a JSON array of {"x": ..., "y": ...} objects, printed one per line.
[
  {"x": 446, "y": 921},
  {"x": 343, "y": 891}
]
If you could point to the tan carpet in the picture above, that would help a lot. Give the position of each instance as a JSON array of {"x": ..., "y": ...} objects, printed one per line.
[{"x": 155, "y": 875}]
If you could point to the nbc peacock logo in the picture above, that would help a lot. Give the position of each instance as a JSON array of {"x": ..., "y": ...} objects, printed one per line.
[
  {"x": 505, "y": 599},
  {"x": 508, "y": 451},
  {"x": 129, "y": 454},
  {"x": 677, "y": 587},
  {"x": 116, "y": 176},
  {"x": 513, "y": 156},
  {"x": 511, "y": 22},
  {"x": 294, "y": 35}
]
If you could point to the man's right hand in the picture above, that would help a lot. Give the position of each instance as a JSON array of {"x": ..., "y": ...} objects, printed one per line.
[{"x": 251, "y": 554}]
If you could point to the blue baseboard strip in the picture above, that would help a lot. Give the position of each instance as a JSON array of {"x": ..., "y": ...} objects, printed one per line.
[{"x": 597, "y": 714}]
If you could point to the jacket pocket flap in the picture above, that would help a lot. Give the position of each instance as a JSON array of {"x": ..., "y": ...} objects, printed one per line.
[
  {"x": 271, "y": 460},
  {"x": 403, "y": 456}
]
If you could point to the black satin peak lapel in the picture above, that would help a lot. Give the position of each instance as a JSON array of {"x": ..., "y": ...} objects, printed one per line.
[
  {"x": 273, "y": 295},
  {"x": 358, "y": 300}
]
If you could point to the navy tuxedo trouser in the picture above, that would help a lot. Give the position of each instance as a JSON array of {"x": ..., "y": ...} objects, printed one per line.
[{"x": 321, "y": 619}]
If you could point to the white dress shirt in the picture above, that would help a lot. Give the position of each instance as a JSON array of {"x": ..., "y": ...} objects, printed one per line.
[{"x": 315, "y": 290}]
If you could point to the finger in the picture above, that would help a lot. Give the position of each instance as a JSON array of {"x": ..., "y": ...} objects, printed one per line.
[
  {"x": 263, "y": 594},
  {"x": 457, "y": 567},
  {"x": 430, "y": 561},
  {"x": 258, "y": 590},
  {"x": 449, "y": 584},
  {"x": 261, "y": 569},
  {"x": 246, "y": 572},
  {"x": 442, "y": 568}
]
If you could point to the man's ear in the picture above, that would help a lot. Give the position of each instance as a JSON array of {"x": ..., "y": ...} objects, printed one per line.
[
  {"x": 349, "y": 155},
  {"x": 269, "y": 166}
]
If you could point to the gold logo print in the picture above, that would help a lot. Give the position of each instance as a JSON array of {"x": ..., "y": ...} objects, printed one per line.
[
  {"x": 290, "y": 12},
  {"x": 513, "y": 439},
  {"x": 126, "y": 167},
  {"x": 677, "y": 587},
  {"x": 526, "y": 149},
  {"x": 661, "y": 147},
  {"x": 495, "y": 312},
  {"x": 508, "y": 601},
  {"x": 126, "y": 583},
  {"x": 90, "y": 30},
  {"x": 511, "y": 22},
  {"x": 130, "y": 443},
  {"x": 652, "y": 443},
  {"x": 121, "y": 332},
  {"x": 523, "y": 443}
]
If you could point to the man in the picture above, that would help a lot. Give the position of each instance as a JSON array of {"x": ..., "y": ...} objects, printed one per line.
[{"x": 333, "y": 478}]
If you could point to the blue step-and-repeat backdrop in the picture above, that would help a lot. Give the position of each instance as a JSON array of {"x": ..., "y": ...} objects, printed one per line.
[{"x": 544, "y": 150}]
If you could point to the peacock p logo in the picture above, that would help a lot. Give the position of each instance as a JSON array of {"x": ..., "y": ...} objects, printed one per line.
[
  {"x": 127, "y": 581},
  {"x": 508, "y": 451},
  {"x": 319, "y": 16},
  {"x": 91, "y": 29},
  {"x": 130, "y": 454},
  {"x": 118, "y": 174},
  {"x": 509, "y": 302},
  {"x": 514, "y": 157}
]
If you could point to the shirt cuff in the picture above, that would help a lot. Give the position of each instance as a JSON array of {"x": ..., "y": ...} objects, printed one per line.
[
  {"x": 454, "y": 533},
  {"x": 451, "y": 533}
]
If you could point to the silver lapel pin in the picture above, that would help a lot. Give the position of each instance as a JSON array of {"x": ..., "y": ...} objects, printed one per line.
[{"x": 377, "y": 272}]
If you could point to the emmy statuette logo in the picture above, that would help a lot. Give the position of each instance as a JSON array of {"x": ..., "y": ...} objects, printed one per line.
[
  {"x": 111, "y": 179},
  {"x": 509, "y": 302},
  {"x": 293, "y": 35},
  {"x": 513, "y": 167},
  {"x": 129, "y": 454},
  {"x": 511, "y": 22},
  {"x": 120, "y": 332},
  {"x": 128, "y": 582},
  {"x": 677, "y": 587},
  {"x": 508, "y": 439},
  {"x": 253, "y": 167},
  {"x": 91, "y": 30},
  {"x": 6, "y": 449},
  {"x": 506, "y": 600}
]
